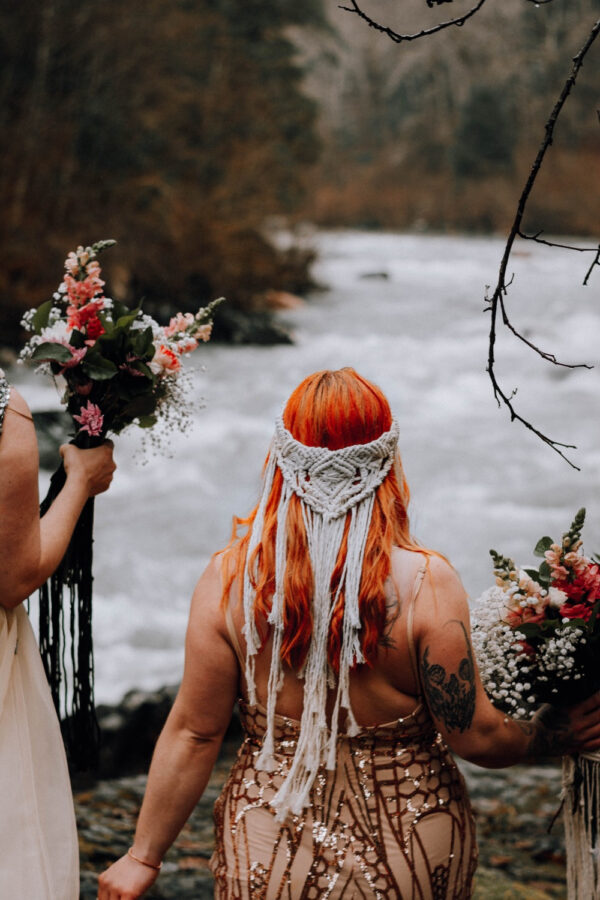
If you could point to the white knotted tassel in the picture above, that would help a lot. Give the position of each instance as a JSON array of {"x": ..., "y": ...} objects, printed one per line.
[
  {"x": 265, "y": 759},
  {"x": 250, "y": 631},
  {"x": 581, "y": 814}
]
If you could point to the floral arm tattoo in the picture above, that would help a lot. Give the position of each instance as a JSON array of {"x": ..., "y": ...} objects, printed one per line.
[{"x": 451, "y": 698}]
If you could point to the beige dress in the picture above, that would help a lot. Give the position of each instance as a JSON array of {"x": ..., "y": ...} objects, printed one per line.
[
  {"x": 391, "y": 822},
  {"x": 39, "y": 857}
]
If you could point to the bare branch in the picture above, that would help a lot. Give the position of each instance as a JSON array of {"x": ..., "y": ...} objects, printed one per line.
[
  {"x": 539, "y": 240},
  {"x": 399, "y": 38},
  {"x": 549, "y": 357},
  {"x": 497, "y": 299},
  {"x": 595, "y": 262}
]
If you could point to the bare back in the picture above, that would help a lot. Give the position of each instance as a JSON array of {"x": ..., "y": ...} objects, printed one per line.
[{"x": 380, "y": 693}]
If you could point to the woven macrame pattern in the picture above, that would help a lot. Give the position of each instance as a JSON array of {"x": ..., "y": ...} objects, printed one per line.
[
  {"x": 332, "y": 481},
  {"x": 330, "y": 484}
]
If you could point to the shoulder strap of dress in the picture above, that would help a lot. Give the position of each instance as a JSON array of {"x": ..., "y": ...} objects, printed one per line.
[
  {"x": 412, "y": 650},
  {"x": 233, "y": 637}
]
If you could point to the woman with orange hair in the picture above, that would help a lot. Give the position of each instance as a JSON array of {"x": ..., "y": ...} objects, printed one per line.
[{"x": 348, "y": 648}]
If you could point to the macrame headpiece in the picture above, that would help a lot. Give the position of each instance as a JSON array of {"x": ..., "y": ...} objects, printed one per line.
[{"x": 330, "y": 484}]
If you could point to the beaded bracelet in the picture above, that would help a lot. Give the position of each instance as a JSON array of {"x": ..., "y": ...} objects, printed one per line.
[{"x": 143, "y": 861}]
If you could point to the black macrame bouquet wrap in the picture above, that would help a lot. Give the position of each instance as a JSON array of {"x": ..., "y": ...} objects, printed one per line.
[{"x": 65, "y": 601}]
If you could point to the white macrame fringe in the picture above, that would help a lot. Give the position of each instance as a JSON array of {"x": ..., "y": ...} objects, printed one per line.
[
  {"x": 581, "y": 814},
  {"x": 330, "y": 483}
]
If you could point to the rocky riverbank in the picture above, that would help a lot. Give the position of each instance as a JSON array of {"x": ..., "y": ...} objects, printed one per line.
[{"x": 519, "y": 859}]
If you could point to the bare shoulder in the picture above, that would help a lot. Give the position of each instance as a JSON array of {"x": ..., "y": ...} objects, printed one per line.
[
  {"x": 18, "y": 442},
  {"x": 444, "y": 576},
  {"x": 441, "y": 595},
  {"x": 18, "y": 402},
  {"x": 206, "y": 608}
]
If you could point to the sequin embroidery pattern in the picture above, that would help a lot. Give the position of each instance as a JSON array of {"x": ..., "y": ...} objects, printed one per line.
[
  {"x": 391, "y": 822},
  {"x": 4, "y": 397}
]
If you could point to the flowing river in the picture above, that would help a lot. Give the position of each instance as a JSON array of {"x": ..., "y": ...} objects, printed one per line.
[{"x": 407, "y": 312}]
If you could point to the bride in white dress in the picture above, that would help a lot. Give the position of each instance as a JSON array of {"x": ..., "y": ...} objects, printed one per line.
[{"x": 39, "y": 857}]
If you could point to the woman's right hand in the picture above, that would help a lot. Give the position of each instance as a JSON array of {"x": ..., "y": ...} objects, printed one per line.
[
  {"x": 94, "y": 467},
  {"x": 127, "y": 879},
  {"x": 558, "y": 731}
]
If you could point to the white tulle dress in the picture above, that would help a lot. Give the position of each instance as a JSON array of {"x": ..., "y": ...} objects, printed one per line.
[{"x": 39, "y": 857}]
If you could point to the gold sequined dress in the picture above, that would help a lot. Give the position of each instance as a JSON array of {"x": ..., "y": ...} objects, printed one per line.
[{"x": 392, "y": 821}]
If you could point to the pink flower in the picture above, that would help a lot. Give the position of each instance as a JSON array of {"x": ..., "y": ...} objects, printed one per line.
[
  {"x": 180, "y": 322},
  {"x": 80, "y": 292},
  {"x": 127, "y": 367},
  {"x": 554, "y": 558},
  {"x": 575, "y": 562},
  {"x": 523, "y": 614},
  {"x": 77, "y": 355},
  {"x": 204, "y": 332},
  {"x": 91, "y": 419},
  {"x": 185, "y": 344},
  {"x": 164, "y": 360},
  {"x": 72, "y": 263}
]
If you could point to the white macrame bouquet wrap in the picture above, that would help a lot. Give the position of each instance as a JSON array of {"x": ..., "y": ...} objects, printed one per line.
[{"x": 329, "y": 484}]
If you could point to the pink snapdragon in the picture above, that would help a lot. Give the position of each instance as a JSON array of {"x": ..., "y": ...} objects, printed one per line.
[
  {"x": 203, "y": 332},
  {"x": 80, "y": 292},
  {"x": 180, "y": 322},
  {"x": 90, "y": 419},
  {"x": 554, "y": 558}
]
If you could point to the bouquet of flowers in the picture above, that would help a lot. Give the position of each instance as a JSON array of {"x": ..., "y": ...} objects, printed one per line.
[
  {"x": 536, "y": 636},
  {"x": 120, "y": 368},
  {"x": 537, "y": 632}
]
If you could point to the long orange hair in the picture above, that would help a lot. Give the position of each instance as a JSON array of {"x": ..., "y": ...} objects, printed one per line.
[{"x": 331, "y": 409}]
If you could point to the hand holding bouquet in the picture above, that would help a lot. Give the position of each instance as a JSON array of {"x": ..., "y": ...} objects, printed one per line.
[
  {"x": 120, "y": 368},
  {"x": 536, "y": 636}
]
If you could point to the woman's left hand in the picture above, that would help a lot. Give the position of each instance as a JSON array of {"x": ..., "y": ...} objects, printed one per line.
[{"x": 126, "y": 879}]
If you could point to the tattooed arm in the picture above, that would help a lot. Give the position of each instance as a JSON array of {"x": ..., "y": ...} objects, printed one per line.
[{"x": 461, "y": 710}]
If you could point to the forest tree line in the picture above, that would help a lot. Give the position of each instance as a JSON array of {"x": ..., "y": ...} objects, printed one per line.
[
  {"x": 441, "y": 133},
  {"x": 179, "y": 127},
  {"x": 173, "y": 126}
]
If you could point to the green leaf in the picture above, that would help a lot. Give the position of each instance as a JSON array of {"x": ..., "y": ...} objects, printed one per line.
[
  {"x": 50, "y": 350},
  {"x": 542, "y": 545},
  {"x": 123, "y": 322},
  {"x": 545, "y": 573},
  {"x": 144, "y": 369},
  {"x": 140, "y": 406},
  {"x": 97, "y": 368},
  {"x": 146, "y": 421},
  {"x": 142, "y": 342},
  {"x": 533, "y": 574},
  {"x": 41, "y": 316},
  {"x": 529, "y": 630}
]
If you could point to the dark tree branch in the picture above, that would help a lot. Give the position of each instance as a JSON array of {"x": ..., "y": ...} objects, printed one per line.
[
  {"x": 399, "y": 38},
  {"x": 497, "y": 299},
  {"x": 595, "y": 262},
  {"x": 539, "y": 240}
]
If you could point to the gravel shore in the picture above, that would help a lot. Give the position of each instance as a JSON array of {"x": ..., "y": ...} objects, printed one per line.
[{"x": 519, "y": 859}]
